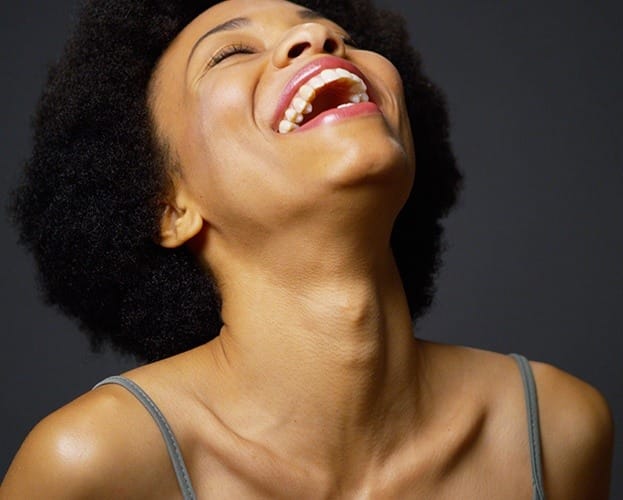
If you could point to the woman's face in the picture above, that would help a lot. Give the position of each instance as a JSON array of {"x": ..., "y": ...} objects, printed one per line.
[{"x": 232, "y": 95}]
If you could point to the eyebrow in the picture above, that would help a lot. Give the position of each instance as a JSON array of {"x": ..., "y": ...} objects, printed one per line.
[
  {"x": 232, "y": 24},
  {"x": 240, "y": 22},
  {"x": 309, "y": 14}
]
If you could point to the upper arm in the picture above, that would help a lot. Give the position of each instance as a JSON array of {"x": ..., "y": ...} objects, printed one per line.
[
  {"x": 54, "y": 461},
  {"x": 577, "y": 436},
  {"x": 102, "y": 445}
]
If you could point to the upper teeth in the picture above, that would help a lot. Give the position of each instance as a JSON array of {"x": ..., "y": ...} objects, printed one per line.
[{"x": 301, "y": 103}]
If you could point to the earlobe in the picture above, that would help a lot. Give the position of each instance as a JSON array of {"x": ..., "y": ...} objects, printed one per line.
[{"x": 178, "y": 225}]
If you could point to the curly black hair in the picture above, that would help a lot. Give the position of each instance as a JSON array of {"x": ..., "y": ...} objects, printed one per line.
[{"x": 90, "y": 199}]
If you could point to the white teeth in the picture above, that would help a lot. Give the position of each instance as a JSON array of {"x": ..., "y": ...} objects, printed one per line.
[
  {"x": 329, "y": 75},
  {"x": 346, "y": 105},
  {"x": 291, "y": 114},
  {"x": 358, "y": 85},
  {"x": 316, "y": 82},
  {"x": 286, "y": 126},
  {"x": 307, "y": 92},
  {"x": 301, "y": 104},
  {"x": 363, "y": 97}
]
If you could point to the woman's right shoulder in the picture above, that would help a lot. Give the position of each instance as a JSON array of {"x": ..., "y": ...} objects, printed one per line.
[{"x": 97, "y": 446}]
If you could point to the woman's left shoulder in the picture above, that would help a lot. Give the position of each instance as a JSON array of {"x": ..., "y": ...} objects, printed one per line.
[
  {"x": 576, "y": 424},
  {"x": 577, "y": 432}
]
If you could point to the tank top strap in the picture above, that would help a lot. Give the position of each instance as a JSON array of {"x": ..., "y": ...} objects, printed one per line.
[
  {"x": 534, "y": 437},
  {"x": 173, "y": 448}
]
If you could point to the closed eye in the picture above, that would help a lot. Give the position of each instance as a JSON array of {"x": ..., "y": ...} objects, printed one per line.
[
  {"x": 228, "y": 51},
  {"x": 349, "y": 41}
]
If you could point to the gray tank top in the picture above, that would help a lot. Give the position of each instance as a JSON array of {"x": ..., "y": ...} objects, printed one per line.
[{"x": 183, "y": 478}]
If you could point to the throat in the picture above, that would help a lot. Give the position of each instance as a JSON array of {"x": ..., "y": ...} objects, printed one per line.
[
  {"x": 356, "y": 396},
  {"x": 317, "y": 347},
  {"x": 338, "y": 351},
  {"x": 332, "y": 358}
]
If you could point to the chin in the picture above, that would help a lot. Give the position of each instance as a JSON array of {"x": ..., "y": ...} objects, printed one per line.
[{"x": 369, "y": 159}]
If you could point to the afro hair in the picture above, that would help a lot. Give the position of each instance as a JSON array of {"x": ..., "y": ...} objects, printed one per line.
[{"x": 90, "y": 198}]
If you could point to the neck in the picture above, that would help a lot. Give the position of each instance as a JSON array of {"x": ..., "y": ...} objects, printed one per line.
[{"x": 331, "y": 356}]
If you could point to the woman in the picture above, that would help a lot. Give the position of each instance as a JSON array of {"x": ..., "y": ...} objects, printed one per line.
[{"x": 248, "y": 199}]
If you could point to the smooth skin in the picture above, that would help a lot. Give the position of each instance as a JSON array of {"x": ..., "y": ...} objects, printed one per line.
[{"x": 315, "y": 387}]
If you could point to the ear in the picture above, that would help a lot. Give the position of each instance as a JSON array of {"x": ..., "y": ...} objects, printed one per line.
[{"x": 180, "y": 221}]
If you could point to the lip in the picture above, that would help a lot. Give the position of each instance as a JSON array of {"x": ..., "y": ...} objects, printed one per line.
[
  {"x": 307, "y": 72},
  {"x": 332, "y": 115}
]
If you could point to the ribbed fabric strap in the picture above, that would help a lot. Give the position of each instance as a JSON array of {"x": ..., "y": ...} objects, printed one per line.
[
  {"x": 532, "y": 410},
  {"x": 167, "y": 433}
]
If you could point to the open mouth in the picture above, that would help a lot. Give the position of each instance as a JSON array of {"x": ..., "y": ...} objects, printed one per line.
[{"x": 333, "y": 88}]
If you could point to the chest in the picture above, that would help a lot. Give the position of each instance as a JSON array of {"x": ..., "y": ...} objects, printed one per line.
[{"x": 479, "y": 469}]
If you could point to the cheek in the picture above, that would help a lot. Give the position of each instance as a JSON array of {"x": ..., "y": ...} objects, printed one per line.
[
  {"x": 214, "y": 119},
  {"x": 402, "y": 125},
  {"x": 219, "y": 112},
  {"x": 228, "y": 167}
]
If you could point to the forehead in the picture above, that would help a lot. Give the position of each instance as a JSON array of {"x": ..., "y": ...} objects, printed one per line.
[
  {"x": 244, "y": 7},
  {"x": 233, "y": 9}
]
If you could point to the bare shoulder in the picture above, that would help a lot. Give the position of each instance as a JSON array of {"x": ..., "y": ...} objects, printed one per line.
[
  {"x": 577, "y": 435},
  {"x": 575, "y": 419},
  {"x": 97, "y": 446}
]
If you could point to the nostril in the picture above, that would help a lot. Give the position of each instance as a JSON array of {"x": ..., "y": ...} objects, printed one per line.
[
  {"x": 330, "y": 46},
  {"x": 297, "y": 50}
]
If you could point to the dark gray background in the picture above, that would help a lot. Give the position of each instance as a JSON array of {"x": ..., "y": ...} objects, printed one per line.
[{"x": 534, "y": 258}]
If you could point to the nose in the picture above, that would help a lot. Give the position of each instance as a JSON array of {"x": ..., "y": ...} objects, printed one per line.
[{"x": 307, "y": 39}]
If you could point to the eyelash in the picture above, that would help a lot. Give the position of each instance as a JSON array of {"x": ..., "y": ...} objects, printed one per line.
[
  {"x": 349, "y": 41},
  {"x": 240, "y": 48},
  {"x": 230, "y": 50}
]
